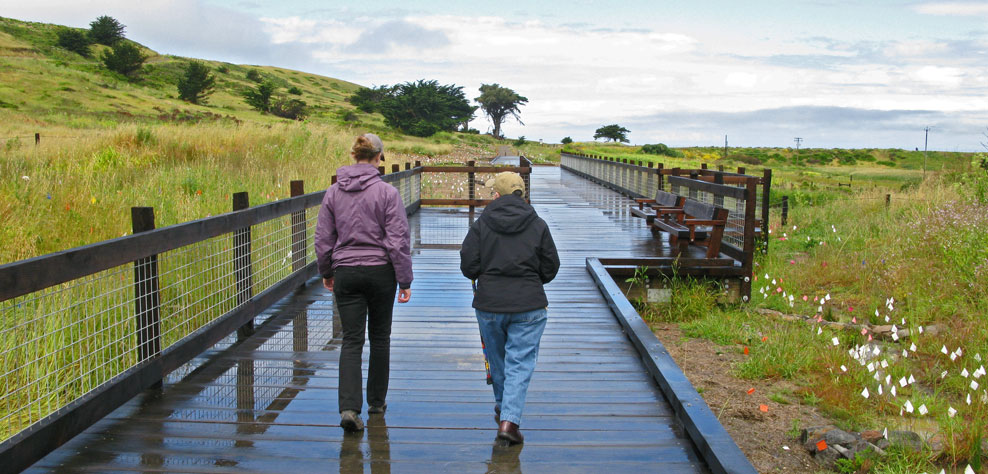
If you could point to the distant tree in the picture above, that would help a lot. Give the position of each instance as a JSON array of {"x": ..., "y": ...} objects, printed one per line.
[
  {"x": 497, "y": 103},
  {"x": 74, "y": 40},
  {"x": 566, "y": 140},
  {"x": 253, "y": 75},
  {"x": 520, "y": 141},
  {"x": 196, "y": 84},
  {"x": 125, "y": 58},
  {"x": 615, "y": 133},
  {"x": 223, "y": 69},
  {"x": 366, "y": 99},
  {"x": 260, "y": 98},
  {"x": 425, "y": 107},
  {"x": 294, "y": 109},
  {"x": 659, "y": 149},
  {"x": 106, "y": 30}
]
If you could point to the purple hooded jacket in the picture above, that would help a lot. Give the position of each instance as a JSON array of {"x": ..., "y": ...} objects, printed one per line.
[{"x": 362, "y": 222}]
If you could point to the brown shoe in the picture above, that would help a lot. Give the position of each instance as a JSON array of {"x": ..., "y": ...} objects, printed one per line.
[
  {"x": 497, "y": 415},
  {"x": 509, "y": 431}
]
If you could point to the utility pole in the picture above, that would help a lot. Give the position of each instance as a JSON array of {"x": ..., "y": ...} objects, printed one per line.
[
  {"x": 798, "y": 140},
  {"x": 926, "y": 141},
  {"x": 725, "y": 147}
]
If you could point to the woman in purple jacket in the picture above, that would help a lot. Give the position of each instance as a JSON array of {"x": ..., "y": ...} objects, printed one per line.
[{"x": 362, "y": 245}]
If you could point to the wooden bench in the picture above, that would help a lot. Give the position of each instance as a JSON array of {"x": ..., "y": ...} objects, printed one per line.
[
  {"x": 664, "y": 200},
  {"x": 696, "y": 222}
]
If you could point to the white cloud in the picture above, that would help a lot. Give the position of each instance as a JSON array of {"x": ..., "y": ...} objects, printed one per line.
[
  {"x": 942, "y": 76},
  {"x": 953, "y": 8}
]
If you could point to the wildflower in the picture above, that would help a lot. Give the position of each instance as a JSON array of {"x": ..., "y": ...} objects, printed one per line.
[{"x": 26, "y": 178}]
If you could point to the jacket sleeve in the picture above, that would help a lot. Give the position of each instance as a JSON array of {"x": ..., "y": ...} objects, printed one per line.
[
  {"x": 470, "y": 253},
  {"x": 326, "y": 236},
  {"x": 548, "y": 257},
  {"x": 397, "y": 239}
]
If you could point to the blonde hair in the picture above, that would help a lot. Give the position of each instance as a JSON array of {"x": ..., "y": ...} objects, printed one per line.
[{"x": 364, "y": 149}]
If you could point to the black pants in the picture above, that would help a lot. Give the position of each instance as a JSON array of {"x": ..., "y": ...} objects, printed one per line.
[{"x": 365, "y": 297}]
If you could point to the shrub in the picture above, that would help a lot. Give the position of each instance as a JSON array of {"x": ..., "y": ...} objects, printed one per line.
[
  {"x": 294, "y": 109},
  {"x": 520, "y": 141},
  {"x": 106, "y": 30},
  {"x": 260, "y": 98},
  {"x": 196, "y": 84},
  {"x": 125, "y": 58},
  {"x": 253, "y": 75},
  {"x": 659, "y": 149},
  {"x": 566, "y": 140},
  {"x": 74, "y": 40},
  {"x": 294, "y": 90},
  {"x": 223, "y": 69}
]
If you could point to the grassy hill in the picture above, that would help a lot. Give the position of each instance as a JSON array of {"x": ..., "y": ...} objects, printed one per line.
[{"x": 47, "y": 85}]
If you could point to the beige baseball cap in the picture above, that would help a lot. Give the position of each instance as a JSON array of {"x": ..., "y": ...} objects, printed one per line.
[{"x": 507, "y": 182}]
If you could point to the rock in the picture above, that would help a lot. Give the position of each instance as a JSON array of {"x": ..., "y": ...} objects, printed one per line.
[
  {"x": 839, "y": 436},
  {"x": 906, "y": 438},
  {"x": 812, "y": 434},
  {"x": 871, "y": 436},
  {"x": 815, "y": 432},
  {"x": 936, "y": 443},
  {"x": 828, "y": 457},
  {"x": 844, "y": 453},
  {"x": 879, "y": 451},
  {"x": 859, "y": 446},
  {"x": 883, "y": 444}
]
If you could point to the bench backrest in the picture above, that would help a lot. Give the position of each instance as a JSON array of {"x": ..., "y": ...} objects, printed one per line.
[
  {"x": 699, "y": 210},
  {"x": 667, "y": 199}
]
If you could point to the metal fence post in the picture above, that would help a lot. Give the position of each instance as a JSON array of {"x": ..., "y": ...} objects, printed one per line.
[
  {"x": 147, "y": 299},
  {"x": 242, "y": 268}
]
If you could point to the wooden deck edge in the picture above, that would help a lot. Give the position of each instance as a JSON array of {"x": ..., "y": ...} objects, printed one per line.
[{"x": 715, "y": 445}]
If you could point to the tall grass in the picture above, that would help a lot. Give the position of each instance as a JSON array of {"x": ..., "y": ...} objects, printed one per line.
[{"x": 922, "y": 262}]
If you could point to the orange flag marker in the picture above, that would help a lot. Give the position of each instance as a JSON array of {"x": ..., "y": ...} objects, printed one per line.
[
  {"x": 763, "y": 407},
  {"x": 751, "y": 390},
  {"x": 821, "y": 445}
]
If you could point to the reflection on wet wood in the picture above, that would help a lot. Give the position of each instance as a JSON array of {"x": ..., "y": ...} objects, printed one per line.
[{"x": 268, "y": 404}]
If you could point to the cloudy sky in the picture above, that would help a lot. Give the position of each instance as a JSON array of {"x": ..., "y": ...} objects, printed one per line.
[{"x": 837, "y": 73}]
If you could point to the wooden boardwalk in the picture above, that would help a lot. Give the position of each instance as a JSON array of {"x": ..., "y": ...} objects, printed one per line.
[{"x": 269, "y": 404}]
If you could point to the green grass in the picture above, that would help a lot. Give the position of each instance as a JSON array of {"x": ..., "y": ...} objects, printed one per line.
[{"x": 927, "y": 251}]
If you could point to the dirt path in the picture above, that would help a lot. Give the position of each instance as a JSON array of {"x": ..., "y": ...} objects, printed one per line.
[{"x": 762, "y": 436}]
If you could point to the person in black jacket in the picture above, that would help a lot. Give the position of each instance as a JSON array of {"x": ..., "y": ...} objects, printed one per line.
[{"x": 510, "y": 253}]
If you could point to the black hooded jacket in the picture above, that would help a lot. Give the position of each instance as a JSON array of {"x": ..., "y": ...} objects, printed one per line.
[{"x": 510, "y": 253}]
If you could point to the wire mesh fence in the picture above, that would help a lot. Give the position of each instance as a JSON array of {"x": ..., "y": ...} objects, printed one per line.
[{"x": 162, "y": 295}]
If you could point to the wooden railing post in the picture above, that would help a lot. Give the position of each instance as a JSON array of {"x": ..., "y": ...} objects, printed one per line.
[
  {"x": 395, "y": 168},
  {"x": 693, "y": 192},
  {"x": 785, "y": 210},
  {"x": 766, "y": 197},
  {"x": 242, "y": 267},
  {"x": 661, "y": 177},
  {"x": 147, "y": 299},
  {"x": 299, "y": 232},
  {"x": 408, "y": 166},
  {"x": 888, "y": 201},
  {"x": 471, "y": 187},
  {"x": 380, "y": 170},
  {"x": 750, "y": 197},
  {"x": 37, "y": 138},
  {"x": 718, "y": 198}
]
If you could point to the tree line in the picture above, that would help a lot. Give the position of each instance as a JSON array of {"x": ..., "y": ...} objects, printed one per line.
[{"x": 420, "y": 108}]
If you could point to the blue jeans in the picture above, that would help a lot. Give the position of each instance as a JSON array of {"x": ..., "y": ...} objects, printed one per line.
[{"x": 512, "y": 342}]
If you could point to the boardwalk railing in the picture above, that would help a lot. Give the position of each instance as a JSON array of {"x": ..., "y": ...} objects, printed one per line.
[
  {"x": 84, "y": 330},
  {"x": 737, "y": 192}
]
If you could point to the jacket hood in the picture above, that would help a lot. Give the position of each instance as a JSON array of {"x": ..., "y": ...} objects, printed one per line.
[
  {"x": 508, "y": 214},
  {"x": 357, "y": 177}
]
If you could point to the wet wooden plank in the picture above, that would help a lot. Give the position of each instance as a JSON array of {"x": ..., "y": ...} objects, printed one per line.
[{"x": 269, "y": 404}]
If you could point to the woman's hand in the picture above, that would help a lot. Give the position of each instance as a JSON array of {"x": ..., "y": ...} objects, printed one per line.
[
  {"x": 404, "y": 295},
  {"x": 327, "y": 283}
]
